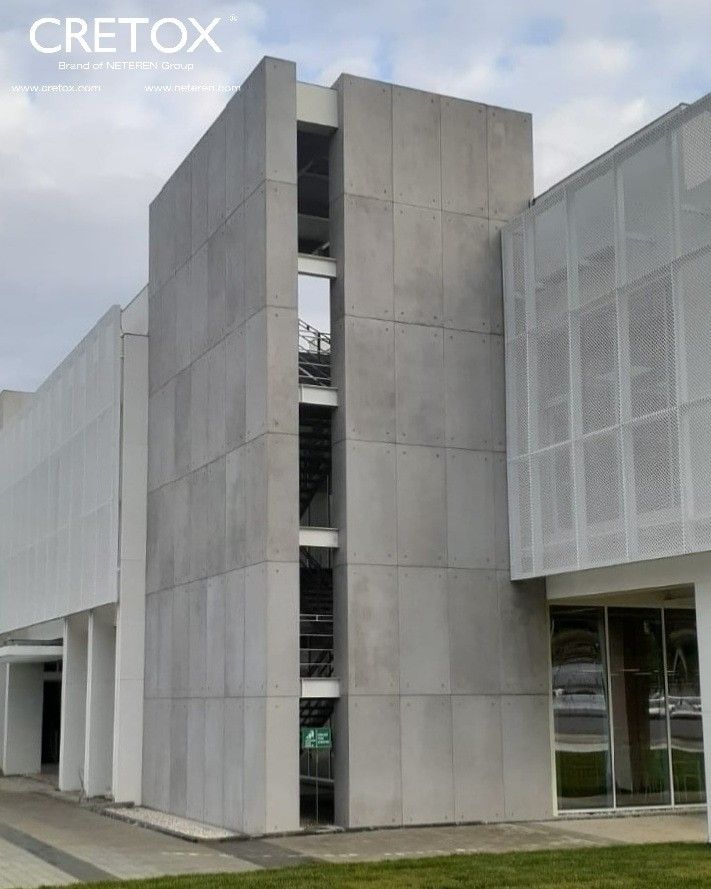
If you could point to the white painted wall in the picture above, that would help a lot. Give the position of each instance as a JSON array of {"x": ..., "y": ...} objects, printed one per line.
[
  {"x": 22, "y": 754},
  {"x": 59, "y": 487}
]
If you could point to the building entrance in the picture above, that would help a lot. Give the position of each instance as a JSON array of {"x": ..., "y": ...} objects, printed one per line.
[{"x": 626, "y": 707}]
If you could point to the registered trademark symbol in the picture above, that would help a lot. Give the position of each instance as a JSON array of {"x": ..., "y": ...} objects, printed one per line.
[{"x": 234, "y": 17}]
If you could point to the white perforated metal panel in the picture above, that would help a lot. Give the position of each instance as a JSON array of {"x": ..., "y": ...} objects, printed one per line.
[
  {"x": 607, "y": 295},
  {"x": 59, "y": 477}
]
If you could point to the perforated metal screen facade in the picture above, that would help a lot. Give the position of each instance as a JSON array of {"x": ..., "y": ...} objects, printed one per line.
[
  {"x": 607, "y": 288},
  {"x": 59, "y": 487}
]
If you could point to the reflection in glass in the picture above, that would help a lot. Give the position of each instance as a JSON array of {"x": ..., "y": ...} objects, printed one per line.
[
  {"x": 582, "y": 745},
  {"x": 638, "y": 707},
  {"x": 687, "y": 741}
]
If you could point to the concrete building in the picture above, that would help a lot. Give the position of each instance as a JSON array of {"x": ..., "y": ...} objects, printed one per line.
[{"x": 308, "y": 520}]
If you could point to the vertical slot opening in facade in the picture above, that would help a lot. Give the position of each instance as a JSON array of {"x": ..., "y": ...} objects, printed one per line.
[{"x": 312, "y": 161}]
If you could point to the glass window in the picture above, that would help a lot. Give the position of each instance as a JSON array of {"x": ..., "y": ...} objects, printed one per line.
[
  {"x": 580, "y": 711},
  {"x": 638, "y": 707}
]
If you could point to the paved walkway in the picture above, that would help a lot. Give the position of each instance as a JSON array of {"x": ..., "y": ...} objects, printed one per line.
[{"x": 47, "y": 839}]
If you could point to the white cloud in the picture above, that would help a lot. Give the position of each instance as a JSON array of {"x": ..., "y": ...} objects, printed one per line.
[{"x": 77, "y": 172}]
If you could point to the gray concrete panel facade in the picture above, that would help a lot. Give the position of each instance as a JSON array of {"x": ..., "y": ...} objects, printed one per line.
[
  {"x": 221, "y": 708},
  {"x": 442, "y": 661}
]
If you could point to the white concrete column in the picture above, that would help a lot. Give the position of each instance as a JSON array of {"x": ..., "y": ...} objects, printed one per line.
[
  {"x": 22, "y": 749},
  {"x": 99, "y": 734},
  {"x": 703, "y": 634},
  {"x": 131, "y": 610},
  {"x": 3, "y": 699},
  {"x": 73, "y": 721}
]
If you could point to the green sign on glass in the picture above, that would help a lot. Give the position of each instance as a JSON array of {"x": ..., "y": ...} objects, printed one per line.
[{"x": 315, "y": 738}]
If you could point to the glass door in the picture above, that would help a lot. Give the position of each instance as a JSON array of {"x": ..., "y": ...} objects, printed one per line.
[
  {"x": 685, "y": 732},
  {"x": 626, "y": 707}
]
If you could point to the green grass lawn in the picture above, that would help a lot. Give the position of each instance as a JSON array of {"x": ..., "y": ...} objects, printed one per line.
[{"x": 668, "y": 866}]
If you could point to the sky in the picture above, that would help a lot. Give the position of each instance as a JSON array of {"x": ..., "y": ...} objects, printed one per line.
[{"x": 77, "y": 171}]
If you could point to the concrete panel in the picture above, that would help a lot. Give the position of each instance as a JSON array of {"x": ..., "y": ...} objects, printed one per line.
[
  {"x": 235, "y": 307},
  {"x": 257, "y": 375},
  {"x": 470, "y": 507},
  {"x": 467, "y": 374},
  {"x": 426, "y": 745},
  {"x": 363, "y": 145},
  {"x": 496, "y": 294},
  {"x": 197, "y": 637},
  {"x": 271, "y": 652},
  {"x": 182, "y": 294},
  {"x": 416, "y": 148},
  {"x": 369, "y": 385},
  {"x": 424, "y": 631},
  {"x": 374, "y": 777},
  {"x": 478, "y": 774},
  {"x": 371, "y": 524},
  {"x": 282, "y": 764},
  {"x": 254, "y": 457},
  {"x": 215, "y": 515},
  {"x": 254, "y": 96},
  {"x": 181, "y": 184},
  {"x": 180, "y": 506},
  {"x": 22, "y": 754},
  {"x": 156, "y": 754},
  {"x": 498, "y": 396},
  {"x": 233, "y": 763},
  {"x": 213, "y": 811},
  {"x": 282, "y": 370},
  {"x": 234, "y": 633},
  {"x": 217, "y": 285},
  {"x": 179, "y": 599},
  {"x": 372, "y": 628},
  {"x": 216, "y": 138},
  {"x": 164, "y": 616},
  {"x": 198, "y": 283},
  {"x": 501, "y": 543},
  {"x": 465, "y": 178},
  {"x": 195, "y": 760},
  {"x": 198, "y": 203},
  {"x": 181, "y": 413},
  {"x": 468, "y": 272},
  {"x": 421, "y": 506},
  {"x": 254, "y": 776},
  {"x": 417, "y": 265},
  {"x": 280, "y": 78},
  {"x": 524, "y": 636},
  {"x": 510, "y": 156},
  {"x": 419, "y": 377},
  {"x": 281, "y": 244},
  {"x": 364, "y": 253},
  {"x": 178, "y": 744},
  {"x": 234, "y": 153},
  {"x": 216, "y": 635},
  {"x": 199, "y": 387},
  {"x": 197, "y": 541},
  {"x": 473, "y": 609},
  {"x": 235, "y": 388},
  {"x": 270, "y": 123},
  {"x": 526, "y": 742},
  {"x": 282, "y": 472},
  {"x": 236, "y": 514}
]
